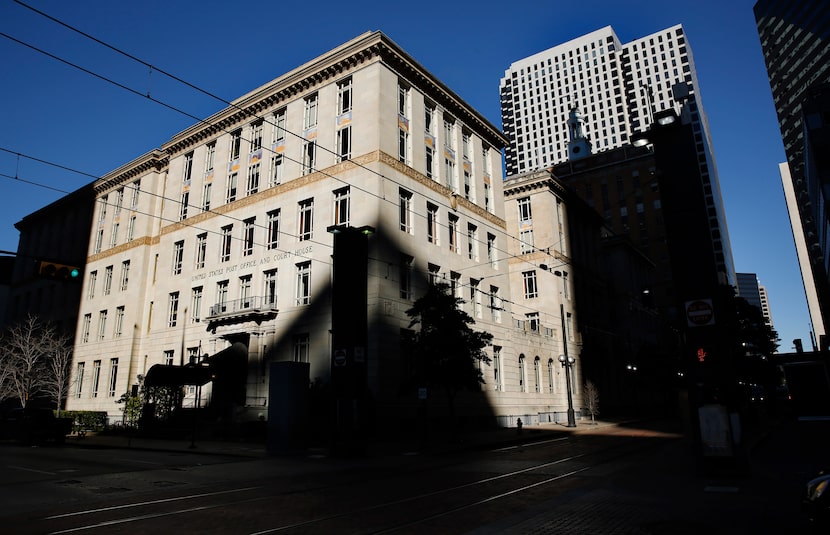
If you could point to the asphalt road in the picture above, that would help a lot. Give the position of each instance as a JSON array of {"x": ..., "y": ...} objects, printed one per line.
[{"x": 624, "y": 479}]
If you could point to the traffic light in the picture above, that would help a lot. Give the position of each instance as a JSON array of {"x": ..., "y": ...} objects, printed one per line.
[{"x": 54, "y": 270}]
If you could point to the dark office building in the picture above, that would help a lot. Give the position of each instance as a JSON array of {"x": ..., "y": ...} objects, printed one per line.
[{"x": 795, "y": 38}]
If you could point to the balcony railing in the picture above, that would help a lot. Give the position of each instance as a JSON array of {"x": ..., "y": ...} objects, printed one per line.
[{"x": 254, "y": 304}]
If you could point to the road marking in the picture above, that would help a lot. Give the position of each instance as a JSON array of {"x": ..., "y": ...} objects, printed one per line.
[
  {"x": 151, "y": 502},
  {"x": 535, "y": 443},
  {"x": 32, "y": 470},
  {"x": 136, "y": 461}
]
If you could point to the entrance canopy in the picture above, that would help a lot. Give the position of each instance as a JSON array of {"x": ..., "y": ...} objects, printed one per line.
[{"x": 174, "y": 376}]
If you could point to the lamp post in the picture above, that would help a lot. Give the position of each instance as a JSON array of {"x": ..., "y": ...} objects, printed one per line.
[{"x": 567, "y": 362}]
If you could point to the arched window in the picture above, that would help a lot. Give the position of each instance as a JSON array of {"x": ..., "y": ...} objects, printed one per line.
[
  {"x": 537, "y": 374},
  {"x": 522, "y": 373},
  {"x": 550, "y": 376}
]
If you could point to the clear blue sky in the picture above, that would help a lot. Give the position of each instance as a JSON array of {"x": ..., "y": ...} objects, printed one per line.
[{"x": 57, "y": 113}]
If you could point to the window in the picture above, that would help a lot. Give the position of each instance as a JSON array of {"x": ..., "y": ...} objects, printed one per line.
[
  {"x": 310, "y": 114},
  {"x": 301, "y": 347},
  {"x": 222, "y": 295},
  {"x": 495, "y": 303},
  {"x": 119, "y": 201},
  {"x": 271, "y": 288},
  {"x": 497, "y": 367},
  {"x": 93, "y": 278},
  {"x": 99, "y": 240},
  {"x": 344, "y": 96},
  {"x": 119, "y": 322},
  {"x": 341, "y": 206},
  {"x": 252, "y": 186},
  {"x": 449, "y": 172},
  {"x": 309, "y": 156},
  {"x": 434, "y": 273},
  {"x": 525, "y": 218},
  {"x": 131, "y": 228},
  {"x": 273, "y": 229},
  {"x": 492, "y": 252},
  {"x": 172, "y": 309},
  {"x": 86, "y": 326},
  {"x": 532, "y": 322},
  {"x": 405, "y": 210},
  {"x": 303, "y": 283},
  {"x": 114, "y": 235},
  {"x": 113, "y": 376},
  {"x": 245, "y": 291},
  {"x": 565, "y": 285},
  {"x": 449, "y": 134},
  {"x": 432, "y": 223},
  {"x": 472, "y": 242},
  {"x": 230, "y": 193},
  {"x": 569, "y": 326},
  {"x": 248, "y": 236},
  {"x": 344, "y": 144},
  {"x": 79, "y": 379},
  {"x": 537, "y": 374},
  {"x": 429, "y": 119},
  {"x": 107, "y": 280},
  {"x": 279, "y": 127},
  {"x": 236, "y": 145},
  {"x": 277, "y": 169},
  {"x": 125, "y": 275},
  {"x": 256, "y": 136},
  {"x": 196, "y": 304},
  {"x": 187, "y": 172},
  {"x": 206, "y": 193},
  {"x": 488, "y": 196},
  {"x": 475, "y": 297},
  {"x": 522, "y": 376},
  {"x": 430, "y": 162},
  {"x": 201, "y": 250},
  {"x": 550, "y": 375},
  {"x": 136, "y": 189},
  {"x": 210, "y": 157},
  {"x": 530, "y": 288},
  {"x": 526, "y": 241},
  {"x": 403, "y": 123},
  {"x": 178, "y": 255},
  {"x": 96, "y": 377},
  {"x": 406, "y": 276},
  {"x": 452, "y": 238},
  {"x": 305, "y": 221},
  {"x": 183, "y": 206},
  {"x": 102, "y": 324},
  {"x": 455, "y": 286},
  {"x": 225, "y": 252},
  {"x": 168, "y": 357},
  {"x": 469, "y": 186}
]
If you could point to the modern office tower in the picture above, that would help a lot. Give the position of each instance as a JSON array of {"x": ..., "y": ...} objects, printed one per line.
[
  {"x": 748, "y": 289},
  {"x": 616, "y": 89},
  {"x": 241, "y": 238},
  {"x": 795, "y": 40}
]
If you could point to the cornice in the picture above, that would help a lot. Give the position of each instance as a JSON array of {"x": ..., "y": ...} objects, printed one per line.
[{"x": 155, "y": 160}]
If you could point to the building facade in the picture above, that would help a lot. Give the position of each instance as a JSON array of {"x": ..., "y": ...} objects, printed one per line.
[
  {"x": 617, "y": 88},
  {"x": 794, "y": 41},
  {"x": 223, "y": 239}
]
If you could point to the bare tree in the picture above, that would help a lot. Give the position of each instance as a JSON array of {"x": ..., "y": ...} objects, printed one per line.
[
  {"x": 25, "y": 359},
  {"x": 56, "y": 380},
  {"x": 591, "y": 399}
]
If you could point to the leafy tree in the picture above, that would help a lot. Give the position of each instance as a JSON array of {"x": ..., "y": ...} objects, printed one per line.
[{"x": 446, "y": 350}]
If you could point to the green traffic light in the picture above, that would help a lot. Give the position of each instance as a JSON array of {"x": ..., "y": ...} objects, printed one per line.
[{"x": 73, "y": 273}]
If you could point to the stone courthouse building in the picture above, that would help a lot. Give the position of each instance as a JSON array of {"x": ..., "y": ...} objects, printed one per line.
[{"x": 218, "y": 247}]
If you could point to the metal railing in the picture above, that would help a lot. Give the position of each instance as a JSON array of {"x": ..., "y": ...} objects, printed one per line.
[{"x": 247, "y": 304}]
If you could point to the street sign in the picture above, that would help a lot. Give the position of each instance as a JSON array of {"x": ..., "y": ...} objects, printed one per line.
[
  {"x": 339, "y": 357},
  {"x": 700, "y": 313}
]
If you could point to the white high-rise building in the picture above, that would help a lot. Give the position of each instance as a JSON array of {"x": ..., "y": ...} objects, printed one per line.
[{"x": 616, "y": 89}]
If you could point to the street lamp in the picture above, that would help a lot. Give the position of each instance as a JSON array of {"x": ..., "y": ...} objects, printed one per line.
[{"x": 567, "y": 363}]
